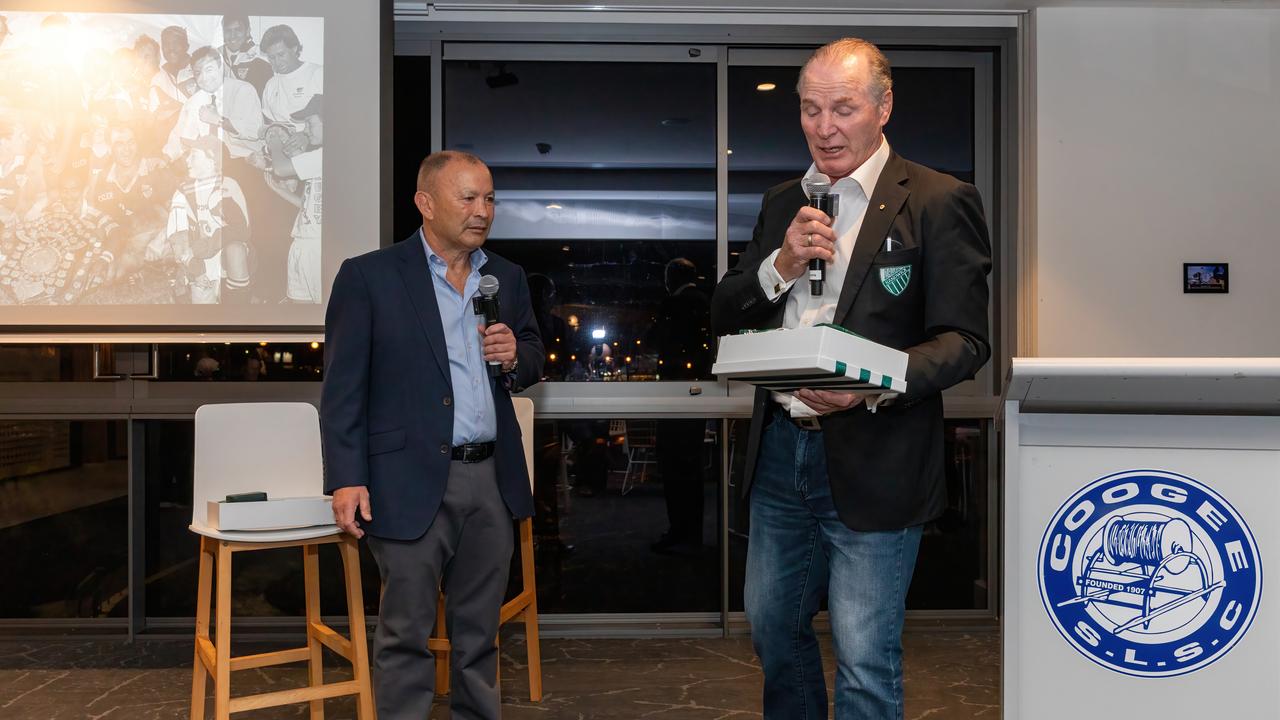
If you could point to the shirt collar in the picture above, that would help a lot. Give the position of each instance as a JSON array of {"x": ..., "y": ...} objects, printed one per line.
[
  {"x": 478, "y": 258},
  {"x": 866, "y": 175}
]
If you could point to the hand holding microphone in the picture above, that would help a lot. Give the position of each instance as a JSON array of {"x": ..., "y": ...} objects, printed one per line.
[
  {"x": 809, "y": 238},
  {"x": 818, "y": 188},
  {"x": 499, "y": 343}
]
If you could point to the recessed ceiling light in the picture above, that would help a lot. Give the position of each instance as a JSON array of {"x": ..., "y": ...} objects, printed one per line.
[
  {"x": 766, "y": 87},
  {"x": 554, "y": 206}
]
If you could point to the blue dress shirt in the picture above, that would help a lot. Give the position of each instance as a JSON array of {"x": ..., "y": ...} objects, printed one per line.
[{"x": 474, "y": 419}]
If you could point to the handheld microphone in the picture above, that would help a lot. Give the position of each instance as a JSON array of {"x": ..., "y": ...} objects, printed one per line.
[
  {"x": 819, "y": 189},
  {"x": 486, "y": 305}
]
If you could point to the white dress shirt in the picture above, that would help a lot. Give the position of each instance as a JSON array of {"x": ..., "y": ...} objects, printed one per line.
[
  {"x": 803, "y": 309},
  {"x": 235, "y": 100}
]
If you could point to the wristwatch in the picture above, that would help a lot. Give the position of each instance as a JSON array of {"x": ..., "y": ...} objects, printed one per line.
[{"x": 515, "y": 363}]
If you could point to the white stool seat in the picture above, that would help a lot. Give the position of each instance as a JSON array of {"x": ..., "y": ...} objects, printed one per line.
[{"x": 265, "y": 536}]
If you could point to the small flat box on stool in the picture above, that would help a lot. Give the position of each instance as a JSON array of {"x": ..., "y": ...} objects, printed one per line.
[
  {"x": 274, "y": 514},
  {"x": 825, "y": 357}
]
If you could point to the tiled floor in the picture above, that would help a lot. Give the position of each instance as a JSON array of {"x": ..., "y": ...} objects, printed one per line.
[{"x": 949, "y": 676}]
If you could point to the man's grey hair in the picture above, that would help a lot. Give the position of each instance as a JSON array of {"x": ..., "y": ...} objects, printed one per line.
[
  {"x": 881, "y": 75},
  {"x": 437, "y": 161}
]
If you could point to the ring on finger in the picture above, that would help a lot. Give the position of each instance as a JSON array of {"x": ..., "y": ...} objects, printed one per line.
[{"x": 808, "y": 240}]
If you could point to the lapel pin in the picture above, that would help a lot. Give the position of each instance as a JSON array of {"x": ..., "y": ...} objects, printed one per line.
[{"x": 881, "y": 206}]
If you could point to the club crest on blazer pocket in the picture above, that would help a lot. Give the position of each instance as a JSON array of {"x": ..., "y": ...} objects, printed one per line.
[{"x": 895, "y": 279}]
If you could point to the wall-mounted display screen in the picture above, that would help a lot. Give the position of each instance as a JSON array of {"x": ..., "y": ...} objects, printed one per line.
[{"x": 170, "y": 168}]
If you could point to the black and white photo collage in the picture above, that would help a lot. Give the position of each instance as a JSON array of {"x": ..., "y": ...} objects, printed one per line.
[{"x": 160, "y": 159}]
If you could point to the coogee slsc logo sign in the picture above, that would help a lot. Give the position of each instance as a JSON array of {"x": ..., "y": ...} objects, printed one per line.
[{"x": 1150, "y": 573}]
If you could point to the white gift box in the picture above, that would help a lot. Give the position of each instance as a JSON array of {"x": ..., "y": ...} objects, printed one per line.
[
  {"x": 273, "y": 514},
  {"x": 824, "y": 357}
]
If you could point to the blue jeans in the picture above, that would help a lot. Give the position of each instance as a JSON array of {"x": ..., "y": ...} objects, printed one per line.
[{"x": 798, "y": 549}]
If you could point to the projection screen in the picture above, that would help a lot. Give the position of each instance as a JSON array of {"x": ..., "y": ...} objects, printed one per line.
[{"x": 180, "y": 165}]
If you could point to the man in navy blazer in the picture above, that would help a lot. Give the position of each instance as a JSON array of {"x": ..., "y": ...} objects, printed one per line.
[{"x": 421, "y": 445}]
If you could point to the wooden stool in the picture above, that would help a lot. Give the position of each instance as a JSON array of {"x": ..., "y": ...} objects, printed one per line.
[
  {"x": 524, "y": 605},
  {"x": 214, "y": 658},
  {"x": 238, "y": 448}
]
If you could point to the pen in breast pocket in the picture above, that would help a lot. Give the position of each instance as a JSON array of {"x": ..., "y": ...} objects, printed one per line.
[{"x": 890, "y": 244}]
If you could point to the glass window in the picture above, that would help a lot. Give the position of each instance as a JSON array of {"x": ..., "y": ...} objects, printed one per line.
[
  {"x": 251, "y": 362},
  {"x": 412, "y": 127},
  {"x": 624, "y": 507},
  {"x": 181, "y": 362},
  {"x": 605, "y": 178},
  {"x": 46, "y": 363},
  {"x": 952, "y": 571},
  {"x": 64, "y": 518}
]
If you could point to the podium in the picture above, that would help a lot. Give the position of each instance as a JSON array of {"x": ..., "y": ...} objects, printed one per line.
[{"x": 1140, "y": 518}]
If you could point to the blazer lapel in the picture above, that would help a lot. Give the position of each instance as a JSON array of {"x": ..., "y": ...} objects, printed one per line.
[
  {"x": 891, "y": 193},
  {"x": 422, "y": 294}
]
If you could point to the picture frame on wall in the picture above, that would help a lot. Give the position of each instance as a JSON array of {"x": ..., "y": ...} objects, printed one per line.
[{"x": 1205, "y": 277}]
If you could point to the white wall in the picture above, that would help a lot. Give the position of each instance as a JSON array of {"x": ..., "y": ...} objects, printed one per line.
[{"x": 1158, "y": 143}]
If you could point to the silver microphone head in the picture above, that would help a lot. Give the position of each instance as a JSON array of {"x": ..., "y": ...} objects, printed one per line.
[
  {"x": 488, "y": 286},
  {"x": 818, "y": 185}
]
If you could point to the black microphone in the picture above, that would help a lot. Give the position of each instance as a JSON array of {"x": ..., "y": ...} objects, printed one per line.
[
  {"x": 486, "y": 305},
  {"x": 820, "y": 197}
]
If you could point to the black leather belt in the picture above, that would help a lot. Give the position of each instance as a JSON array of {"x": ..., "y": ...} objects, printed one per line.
[
  {"x": 473, "y": 452},
  {"x": 804, "y": 423}
]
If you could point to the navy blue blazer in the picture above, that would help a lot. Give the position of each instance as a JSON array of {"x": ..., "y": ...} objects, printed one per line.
[{"x": 386, "y": 411}]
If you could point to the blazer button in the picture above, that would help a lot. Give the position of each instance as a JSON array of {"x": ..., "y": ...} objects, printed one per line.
[
  {"x": 444, "y": 449},
  {"x": 448, "y": 401}
]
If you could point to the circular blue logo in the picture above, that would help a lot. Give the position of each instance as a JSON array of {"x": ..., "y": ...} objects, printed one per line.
[{"x": 1150, "y": 573}]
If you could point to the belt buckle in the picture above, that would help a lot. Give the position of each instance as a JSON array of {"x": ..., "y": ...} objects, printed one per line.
[{"x": 807, "y": 423}]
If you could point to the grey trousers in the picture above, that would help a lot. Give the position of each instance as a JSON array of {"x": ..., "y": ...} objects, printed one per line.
[{"x": 467, "y": 551}]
